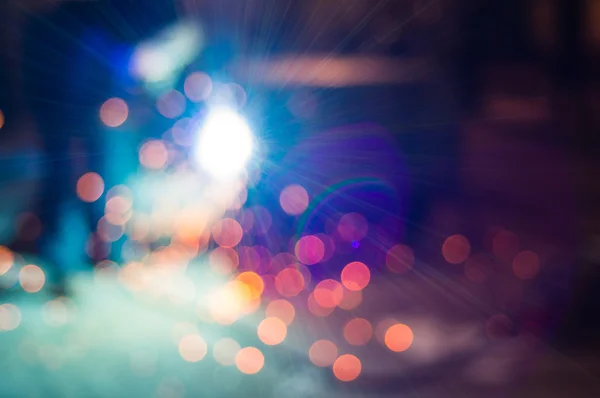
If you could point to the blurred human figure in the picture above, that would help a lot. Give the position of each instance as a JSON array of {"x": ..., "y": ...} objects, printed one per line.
[
  {"x": 75, "y": 55},
  {"x": 66, "y": 58}
]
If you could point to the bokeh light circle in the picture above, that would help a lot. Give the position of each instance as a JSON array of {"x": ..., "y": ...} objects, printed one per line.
[
  {"x": 347, "y": 367},
  {"x": 32, "y": 278},
  {"x": 281, "y": 309},
  {"x": 400, "y": 259},
  {"x": 323, "y": 353},
  {"x": 90, "y": 187},
  {"x": 253, "y": 282},
  {"x": 192, "y": 348},
  {"x": 10, "y": 317},
  {"x": 197, "y": 86},
  {"x": 225, "y": 351},
  {"x": 328, "y": 293},
  {"x": 398, "y": 337},
  {"x": 154, "y": 155},
  {"x": 249, "y": 360},
  {"x": 355, "y": 276},
  {"x": 223, "y": 260},
  {"x": 309, "y": 250},
  {"x": 316, "y": 309},
  {"x": 351, "y": 299},
  {"x": 171, "y": 104},
  {"x": 353, "y": 227},
  {"x": 272, "y": 331},
  {"x": 456, "y": 249},
  {"x": 526, "y": 264},
  {"x": 293, "y": 200},
  {"x": 114, "y": 112},
  {"x": 358, "y": 331},
  {"x": 227, "y": 232},
  {"x": 289, "y": 282},
  {"x": 6, "y": 260}
]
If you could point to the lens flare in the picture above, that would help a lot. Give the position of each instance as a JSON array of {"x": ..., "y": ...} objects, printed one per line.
[{"x": 225, "y": 144}]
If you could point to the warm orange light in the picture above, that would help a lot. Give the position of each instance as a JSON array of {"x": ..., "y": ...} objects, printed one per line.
[
  {"x": 272, "y": 331},
  {"x": 1, "y": 118},
  {"x": 249, "y": 360},
  {"x": 289, "y": 282},
  {"x": 400, "y": 259},
  {"x": 293, "y": 200},
  {"x": 398, "y": 337},
  {"x": 281, "y": 309},
  {"x": 358, "y": 331},
  {"x": 90, "y": 187},
  {"x": 191, "y": 223},
  {"x": 6, "y": 260},
  {"x": 323, "y": 353},
  {"x": 254, "y": 283},
  {"x": 356, "y": 276},
  {"x": 328, "y": 293},
  {"x": 456, "y": 249},
  {"x": 227, "y": 232},
  {"x": 192, "y": 348},
  {"x": 228, "y": 303},
  {"x": 32, "y": 278},
  {"x": 114, "y": 112},
  {"x": 347, "y": 367}
]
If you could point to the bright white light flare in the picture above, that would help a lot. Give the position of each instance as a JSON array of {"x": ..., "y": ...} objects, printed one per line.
[{"x": 225, "y": 144}]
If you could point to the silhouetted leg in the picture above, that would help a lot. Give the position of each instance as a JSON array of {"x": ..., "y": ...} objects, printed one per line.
[{"x": 57, "y": 186}]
